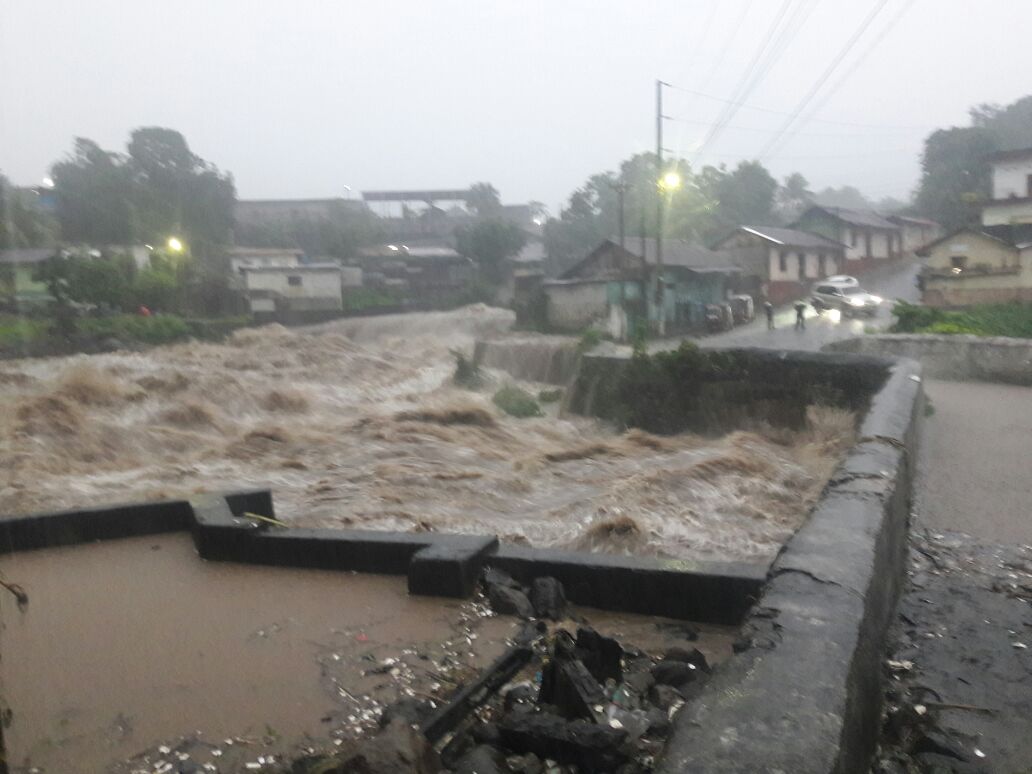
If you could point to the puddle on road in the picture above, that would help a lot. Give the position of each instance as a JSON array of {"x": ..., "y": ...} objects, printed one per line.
[{"x": 131, "y": 644}]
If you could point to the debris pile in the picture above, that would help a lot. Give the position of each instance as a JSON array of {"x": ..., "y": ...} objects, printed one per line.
[{"x": 557, "y": 702}]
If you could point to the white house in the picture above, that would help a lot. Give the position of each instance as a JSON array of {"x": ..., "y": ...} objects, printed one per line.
[
  {"x": 870, "y": 239},
  {"x": 1011, "y": 204},
  {"x": 297, "y": 294}
]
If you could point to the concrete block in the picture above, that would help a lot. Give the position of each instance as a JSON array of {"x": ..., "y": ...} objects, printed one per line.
[{"x": 449, "y": 566}]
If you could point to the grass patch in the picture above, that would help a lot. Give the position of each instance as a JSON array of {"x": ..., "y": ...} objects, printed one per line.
[
  {"x": 516, "y": 402},
  {"x": 550, "y": 396},
  {"x": 1014, "y": 320},
  {"x": 19, "y": 331}
]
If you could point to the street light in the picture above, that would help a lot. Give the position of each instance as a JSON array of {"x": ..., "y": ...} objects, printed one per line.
[
  {"x": 175, "y": 245},
  {"x": 670, "y": 181}
]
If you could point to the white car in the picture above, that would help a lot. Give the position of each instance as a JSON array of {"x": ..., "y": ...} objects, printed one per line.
[
  {"x": 848, "y": 299},
  {"x": 843, "y": 279}
]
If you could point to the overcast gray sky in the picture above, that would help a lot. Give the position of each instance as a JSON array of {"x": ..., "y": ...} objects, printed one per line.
[{"x": 299, "y": 98}]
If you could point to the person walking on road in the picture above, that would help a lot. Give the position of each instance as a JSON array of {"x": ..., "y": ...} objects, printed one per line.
[
  {"x": 768, "y": 307},
  {"x": 800, "y": 315}
]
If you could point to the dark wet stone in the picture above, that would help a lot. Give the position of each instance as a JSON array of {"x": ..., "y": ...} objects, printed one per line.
[
  {"x": 664, "y": 696},
  {"x": 675, "y": 673},
  {"x": 579, "y": 742},
  {"x": 573, "y": 690},
  {"x": 509, "y": 601},
  {"x": 482, "y": 759},
  {"x": 548, "y": 598},
  {"x": 486, "y": 733},
  {"x": 525, "y": 764},
  {"x": 495, "y": 577},
  {"x": 522, "y": 695},
  {"x": 687, "y": 655},
  {"x": 601, "y": 655},
  {"x": 640, "y": 682},
  {"x": 397, "y": 749}
]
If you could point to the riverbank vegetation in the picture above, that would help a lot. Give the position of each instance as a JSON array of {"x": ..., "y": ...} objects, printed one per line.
[{"x": 1013, "y": 320}]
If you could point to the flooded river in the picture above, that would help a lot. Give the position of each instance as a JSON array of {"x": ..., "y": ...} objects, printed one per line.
[{"x": 356, "y": 423}]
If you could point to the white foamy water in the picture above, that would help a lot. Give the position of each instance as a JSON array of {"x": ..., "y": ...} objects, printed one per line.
[{"x": 355, "y": 423}]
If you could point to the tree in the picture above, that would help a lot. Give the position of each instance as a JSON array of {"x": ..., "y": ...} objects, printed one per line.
[
  {"x": 484, "y": 200},
  {"x": 489, "y": 243},
  {"x": 793, "y": 197},
  {"x": 105, "y": 281},
  {"x": 955, "y": 175},
  {"x": 93, "y": 195},
  {"x": 744, "y": 196},
  {"x": 847, "y": 196},
  {"x": 178, "y": 193}
]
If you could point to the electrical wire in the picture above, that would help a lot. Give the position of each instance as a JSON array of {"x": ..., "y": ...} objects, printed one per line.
[
  {"x": 828, "y": 72},
  {"x": 852, "y": 68}
]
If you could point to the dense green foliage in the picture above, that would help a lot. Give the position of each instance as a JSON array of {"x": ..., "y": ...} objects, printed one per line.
[
  {"x": 981, "y": 320},
  {"x": 516, "y": 402},
  {"x": 158, "y": 189},
  {"x": 22, "y": 222},
  {"x": 660, "y": 392},
  {"x": 955, "y": 169},
  {"x": 489, "y": 242}
]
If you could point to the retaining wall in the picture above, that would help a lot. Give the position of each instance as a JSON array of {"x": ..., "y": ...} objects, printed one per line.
[
  {"x": 962, "y": 358},
  {"x": 803, "y": 693}
]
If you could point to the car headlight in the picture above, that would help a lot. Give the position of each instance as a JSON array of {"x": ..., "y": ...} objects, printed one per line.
[{"x": 856, "y": 302}]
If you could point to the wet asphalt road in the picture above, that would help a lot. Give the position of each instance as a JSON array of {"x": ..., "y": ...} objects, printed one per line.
[{"x": 892, "y": 282}]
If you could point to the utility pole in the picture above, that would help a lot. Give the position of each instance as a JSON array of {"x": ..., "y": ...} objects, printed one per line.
[{"x": 659, "y": 207}]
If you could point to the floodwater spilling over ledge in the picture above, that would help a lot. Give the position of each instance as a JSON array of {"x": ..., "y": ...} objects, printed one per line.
[{"x": 355, "y": 424}]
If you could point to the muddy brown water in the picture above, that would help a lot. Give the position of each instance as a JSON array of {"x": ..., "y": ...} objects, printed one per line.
[
  {"x": 135, "y": 645},
  {"x": 356, "y": 423}
]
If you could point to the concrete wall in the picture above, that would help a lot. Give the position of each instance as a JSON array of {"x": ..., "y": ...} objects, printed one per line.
[
  {"x": 1007, "y": 274},
  {"x": 1005, "y": 213},
  {"x": 1010, "y": 178},
  {"x": 314, "y": 284},
  {"x": 963, "y": 358},
  {"x": 573, "y": 306}
]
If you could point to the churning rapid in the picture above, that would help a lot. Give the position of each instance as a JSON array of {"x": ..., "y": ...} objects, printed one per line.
[{"x": 356, "y": 423}]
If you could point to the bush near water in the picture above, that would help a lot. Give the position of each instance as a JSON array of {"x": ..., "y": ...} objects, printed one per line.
[{"x": 1013, "y": 320}]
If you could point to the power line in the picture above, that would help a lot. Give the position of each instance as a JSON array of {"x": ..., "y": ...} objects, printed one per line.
[
  {"x": 722, "y": 53},
  {"x": 679, "y": 120},
  {"x": 835, "y": 62},
  {"x": 739, "y": 91},
  {"x": 787, "y": 32},
  {"x": 855, "y": 64},
  {"x": 785, "y": 113}
]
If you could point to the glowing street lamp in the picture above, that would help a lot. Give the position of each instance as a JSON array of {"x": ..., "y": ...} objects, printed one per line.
[
  {"x": 670, "y": 181},
  {"x": 175, "y": 244}
]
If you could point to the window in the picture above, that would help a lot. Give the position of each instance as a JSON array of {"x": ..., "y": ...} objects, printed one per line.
[
  {"x": 294, "y": 280},
  {"x": 852, "y": 237},
  {"x": 958, "y": 263},
  {"x": 783, "y": 261},
  {"x": 801, "y": 258},
  {"x": 822, "y": 265}
]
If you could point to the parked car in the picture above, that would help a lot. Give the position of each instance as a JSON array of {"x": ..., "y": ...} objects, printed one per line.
[
  {"x": 843, "y": 279},
  {"x": 848, "y": 299}
]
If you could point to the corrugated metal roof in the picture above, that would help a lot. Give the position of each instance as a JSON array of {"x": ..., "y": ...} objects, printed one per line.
[
  {"x": 868, "y": 218},
  {"x": 792, "y": 237}
]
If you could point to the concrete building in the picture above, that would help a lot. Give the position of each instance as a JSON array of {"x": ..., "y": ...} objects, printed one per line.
[
  {"x": 1011, "y": 205},
  {"x": 298, "y": 294},
  {"x": 916, "y": 232},
  {"x": 426, "y": 274},
  {"x": 260, "y": 212},
  {"x": 973, "y": 266},
  {"x": 616, "y": 288},
  {"x": 870, "y": 239},
  {"x": 787, "y": 261}
]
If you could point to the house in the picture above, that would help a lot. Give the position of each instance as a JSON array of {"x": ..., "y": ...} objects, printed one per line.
[
  {"x": 991, "y": 263},
  {"x": 786, "y": 260},
  {"x": 427, "y": 274},
  {"x": 1009, "y": 213},
  {"x": 916, "y": 231},
  {"x": 17, "y": 266},
  {"x": 297, "y": 294},
  {"x": 241, "y": 258},
  {"x": 619, "y": 287},
  {"x": 870, "y": 238},
  {"x": 974, "y": 266}
]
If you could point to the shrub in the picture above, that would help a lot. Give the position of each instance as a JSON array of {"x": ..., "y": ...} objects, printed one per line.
[
  {"x": 159, "y": 329},
  {"x": 550, "y": 396},
  {"x": 590, "y": 339},
  {"x": 516, "y": 402}
]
